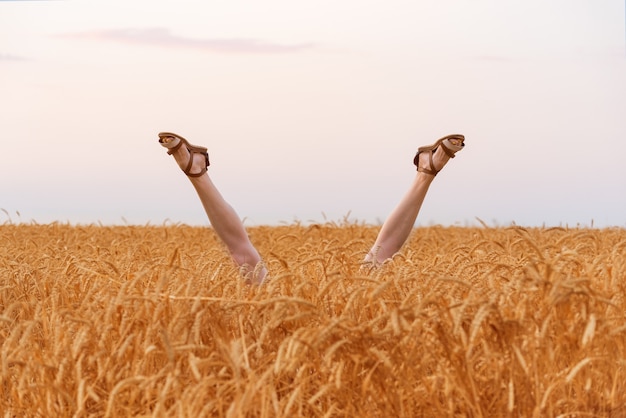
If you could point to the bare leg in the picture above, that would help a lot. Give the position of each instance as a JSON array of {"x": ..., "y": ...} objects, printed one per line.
[
  {"x": 222, "y": 216},
  {"x": 401, "y": 221}
]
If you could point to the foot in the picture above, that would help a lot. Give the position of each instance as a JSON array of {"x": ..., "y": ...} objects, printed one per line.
[
  {"x": 430, "y": 162},
  {"x": 182, "y": 154}
]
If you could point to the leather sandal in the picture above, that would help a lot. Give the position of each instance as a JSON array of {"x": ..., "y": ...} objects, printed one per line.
[
  {"x": 448, "y": 147},
  {"x": 193, "y": 149}
]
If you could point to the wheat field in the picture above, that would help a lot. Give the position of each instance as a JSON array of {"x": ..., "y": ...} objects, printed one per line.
[{"x": 99, "y": 321}]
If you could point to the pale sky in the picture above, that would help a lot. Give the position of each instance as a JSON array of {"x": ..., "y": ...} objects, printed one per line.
[{"x": 313, "y": 110}]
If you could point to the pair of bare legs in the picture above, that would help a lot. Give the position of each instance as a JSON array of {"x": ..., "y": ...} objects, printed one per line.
[{"x": 228, "y": 226}]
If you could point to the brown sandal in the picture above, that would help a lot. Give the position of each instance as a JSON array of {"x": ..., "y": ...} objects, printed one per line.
[
  {"x": 446, "y": 146},
  {"x": 173, "y": 146}
]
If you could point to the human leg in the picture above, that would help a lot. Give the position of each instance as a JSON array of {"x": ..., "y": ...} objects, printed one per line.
[
  {"x": 194, "y": 161},
  {"x": 398, "y": 226}
]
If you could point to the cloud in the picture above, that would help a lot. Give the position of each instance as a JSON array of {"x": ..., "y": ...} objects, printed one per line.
[
  {"x": 162, "y": 37},
  {"x": 11, "y": 57}
]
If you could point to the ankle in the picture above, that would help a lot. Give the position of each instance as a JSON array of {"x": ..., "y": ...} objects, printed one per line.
[{"x": 423, "y": 179}]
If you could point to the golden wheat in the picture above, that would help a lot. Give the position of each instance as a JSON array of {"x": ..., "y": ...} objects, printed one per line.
[{"x": 156, "y": 321}]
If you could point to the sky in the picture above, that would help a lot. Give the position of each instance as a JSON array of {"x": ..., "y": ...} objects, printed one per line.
[{"x": 313, "y": 110}]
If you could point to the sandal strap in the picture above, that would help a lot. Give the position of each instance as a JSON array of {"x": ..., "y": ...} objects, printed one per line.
[
  {"x": 197, "y": 174},
  {"x": 432, "y": 172},
  {"x": 445, "y": 149},
  {"x": 451, "y": 152},
  {"x": 189, "y": 163},
  {"x": 427, "y": 171},
  {"x": 187, "y": 170},
  {"x": 172, "y": 150}
]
